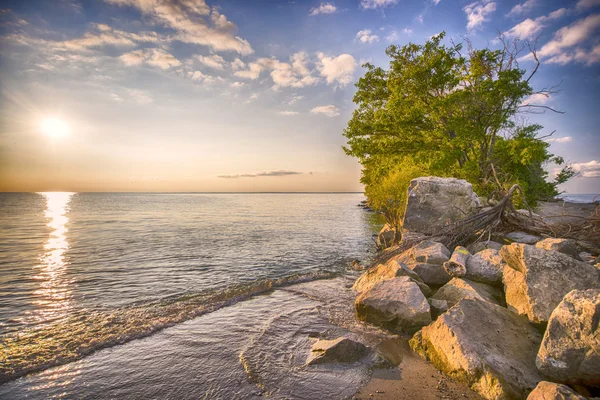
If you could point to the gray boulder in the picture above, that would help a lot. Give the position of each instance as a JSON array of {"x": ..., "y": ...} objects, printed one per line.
[
  {"x": 391, "y": 269},
  {"x": 479, "y": 246},
  {"x": 431, "y": 252},
  {"x": 486, "y": 266},
  {"x": 570, "y": 350},
  {"x": 522, "y": 237},
  {"x": 431, "y": 274},
  {"x": 387, "y": 237},
  {"x": 553, "y": 391},
  {"x": 485, "y": 346},
  {"x": 397, "y": 304},
  {"x": 434, "y": 202},
  {"x": 426, "y": 260},
  {"x": 565, "y": 246},
  {"x": 457, "y": 289},
  {"x": 438, "y": 307},
  {"x": 338, "y": 350},
  {"x": 536, "y": 280}
]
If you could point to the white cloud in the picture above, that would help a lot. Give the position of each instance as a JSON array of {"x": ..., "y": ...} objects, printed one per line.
[
  {"x": 155, "y": 57},
  {"x": 585, "y": 4},
  {"x": 419, "y": 18},
  {"x": 328, "y": 110},
  {"x": 366, "y": 36},
  {"x": 529, "y": 28},
  {"x": 214, "y": 61},
  {"x": 237, "y": 64},
  {"x": 252, "y": 98},
  {"x": 197, "y": 76},
  {"x": 288, "y": 113},
  {"x": 568, "y": 43},
  {"x": 103, "y": 35},
  {"x": 436, "y": 2},
  {"x": 338, "y": 69},
  {"x": 371, "y": 4},
  {"x": 564, "y": 139},
  {"x": 293, "y": 74},
  {"x": 324, "y": 8},
  {"x": 194, "y": 22},
  {"x": 536, "y": 99},
  {"x": 479, "y": 12},
  {"x": 253, "y": 71},
  {"x": 524, "y": 8},
  {"x": 139, "y": 96},
  {"x": 590, "y": 169},
  {"x": 294, "y": 99},
  {"x": 237, "y": 84}
]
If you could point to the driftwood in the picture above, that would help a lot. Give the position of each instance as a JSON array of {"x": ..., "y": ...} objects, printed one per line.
[{"x": 457, "y": 265}]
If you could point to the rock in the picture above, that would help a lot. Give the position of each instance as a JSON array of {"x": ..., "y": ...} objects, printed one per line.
[
  {"x": 438, "y": 306},
  {"x": 397, "y": 304},
  {"x": 431, "y": 274},
  {"x": 553, "y": 391},
  {"x": 590, "y": 247},
  {"x": 570, "y": 350},
  {"x": 479, "y": 246},
  {"x": 565, "y": 246},
  {"x": 389, "y": 270},
  {"x": 536, "y": 280},
  {"x": 486, "y": 266},
  {"x": 387, "y": 237},
  {"x": 457, "y": 289},
  {"x": 522, "y": 237},
  {"x": 337, "y": 350},
  {"x": 434, "y": 202},
  {"x": 431, "y": 252},
  {"x": 485, "y": 346},
  {"x": 586, "y": 257}
]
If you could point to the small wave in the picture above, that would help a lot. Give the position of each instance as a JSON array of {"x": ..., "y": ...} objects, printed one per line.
[{"x": 86, "y": 332}]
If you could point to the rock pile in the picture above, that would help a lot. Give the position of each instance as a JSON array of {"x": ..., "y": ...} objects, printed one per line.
[{"x": 510, "y": 320}]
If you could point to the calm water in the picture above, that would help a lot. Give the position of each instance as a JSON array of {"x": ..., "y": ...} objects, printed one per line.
[{"x": 82, "y": 272}]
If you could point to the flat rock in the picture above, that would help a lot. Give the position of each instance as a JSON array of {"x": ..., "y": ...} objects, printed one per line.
[
  {"x": 570, "y": 350},
  {"x": 389, "y": 270},
  {"x": 486, "y": 266},
  {"x": 553, "y": 391},
  {"x": 523, "y": 237},
  {"x": 396, "y": 304},
  {"x": 479, "y": 246},
  {"x": 565, "y": 246},
  {"x": 338, "y": 350},
  {"x": 434, "y": 202},
  {"x": 431, "y": 274},
  {"x": 536, "y": 280},
  {"x": 431, "y": 252},
  {"x": 457, "y": 289},
  {"x": 485, "y": 346}
]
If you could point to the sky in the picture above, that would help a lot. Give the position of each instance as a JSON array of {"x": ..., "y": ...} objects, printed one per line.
[{"x": 208, "y": 95}]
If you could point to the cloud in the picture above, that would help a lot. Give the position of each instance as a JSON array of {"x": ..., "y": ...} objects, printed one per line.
[
  {"x": 288, "y": 113},
  {"x": 324, "y": 8},
  {"x": 590, "y": 169},
  {"x": 568, "y": 43},
  {"x": 479, "y": 12},
  {"x": 261, "y": 174},
  {"x": 338, "y": 69},
  {"x": 198, "y": 76},
  {"x": 193, "y": 22},
  {"x": 140, "y": 96},
  {"x": 215, "y": 61},
  {"x": 436, "y": 2},
  {"x": 237, "y": 64},
  {"x": 328, "y": 110},
  {"x": 524, "y": 8},
  {"x": 237, "y": 84},
  {"x": 564, "y": 139},
  {"x": 294, "y": 99},
  {"x": 366, "y": 36},
  {"x": 529, "y": 28},
  {"x": 585, "y": 4},
  {"x": 536, "y": 98},
  {"x": 155, "y": 57},
  {"x": 253, "y": 71},
  {"x": 103, "y": 35},
  {"x": 294, "y": 73},
  {"x": 372, "y": 4}
]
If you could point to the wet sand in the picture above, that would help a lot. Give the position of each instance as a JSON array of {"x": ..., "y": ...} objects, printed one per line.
[{"x": 413, "y": 379}]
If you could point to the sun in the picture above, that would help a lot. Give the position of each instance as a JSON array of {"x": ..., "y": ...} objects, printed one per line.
[{"x": 54, "y": 127}]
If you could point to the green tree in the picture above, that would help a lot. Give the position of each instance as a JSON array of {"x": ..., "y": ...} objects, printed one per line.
[{"x": 450, "y": 114}]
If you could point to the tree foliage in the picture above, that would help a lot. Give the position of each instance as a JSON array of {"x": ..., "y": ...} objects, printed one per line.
[{"x": 450, "y": 114}]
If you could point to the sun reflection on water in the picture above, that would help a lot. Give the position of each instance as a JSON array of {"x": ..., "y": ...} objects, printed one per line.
[{"x": 53, "y": 297}]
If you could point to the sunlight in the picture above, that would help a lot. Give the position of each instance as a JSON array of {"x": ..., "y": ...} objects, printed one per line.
[{"x": 54, "y": 127}]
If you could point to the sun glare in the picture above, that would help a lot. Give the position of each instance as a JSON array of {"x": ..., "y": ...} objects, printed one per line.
[{"x": 54, "y": 127}]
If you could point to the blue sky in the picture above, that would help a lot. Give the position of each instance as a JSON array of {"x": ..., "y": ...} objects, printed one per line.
[{"x": 194, "y": 95}]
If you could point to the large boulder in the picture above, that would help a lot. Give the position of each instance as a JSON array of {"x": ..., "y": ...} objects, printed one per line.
[
  {"x": 431, "y": 252},
  {"x": 389, "y": 270},
  {"x": 523, "y": 237},
  {"x": 434, "y": 202},
  {"x": 486, "y": 266},
  {"x": 431, "y": 274},
  {"x": 426, "y": 259},
  {"x": 485, "y": 346},
  {"x": 387, "y": 237},
  {"x": 536, "y": 280},
  {"x": 338, "y": 350},
  {"x": 565, "y": 246},
  {"x": 553, "y": 391},
  {"x": 570, "y": 350},
  {"x": 457, "y": 289},
  {"x": 397, "y": 304},
  {"x": 475, "y": 248}
]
